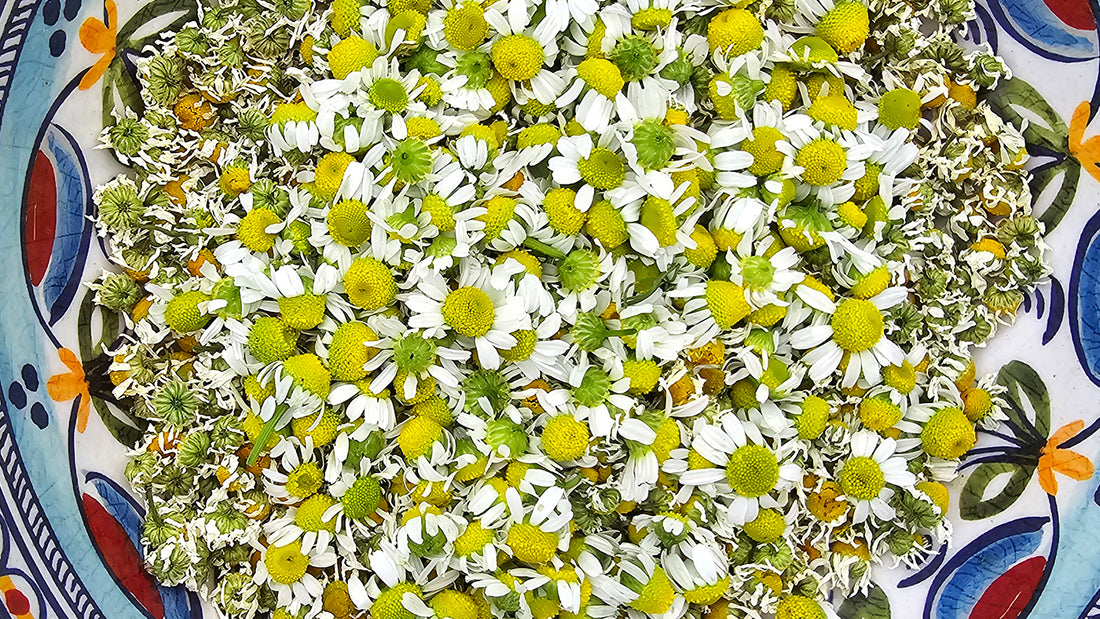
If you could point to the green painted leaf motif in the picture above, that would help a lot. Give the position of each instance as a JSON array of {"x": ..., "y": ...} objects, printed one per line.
[
  {"x": 973, "y": 505},
  {"x": 155, "y": 11},
  {"x": 117, "y": 80},
  {"x": 1067, "y": 190},
  {"x": 125, "y": 428},
  {"x": 1027, "y": 394},
  {"x": 1045, "y": 126},
  {"x": 874, "y": 605}
]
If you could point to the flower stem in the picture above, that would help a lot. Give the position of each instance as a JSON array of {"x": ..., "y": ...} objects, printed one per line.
[{"x": 543, "y": 248}]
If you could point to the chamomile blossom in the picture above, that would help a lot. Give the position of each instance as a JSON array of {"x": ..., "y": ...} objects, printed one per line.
[{"x": 855, "y": 327}]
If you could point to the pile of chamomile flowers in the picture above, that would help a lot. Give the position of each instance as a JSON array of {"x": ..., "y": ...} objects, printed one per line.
[{"x": 570, "y": 309}]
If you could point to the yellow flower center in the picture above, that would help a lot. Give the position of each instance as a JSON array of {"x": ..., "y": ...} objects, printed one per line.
[
  {"x": 564, "y": 217},
  {"x": 602, "y": 169},
  {"x": 823, "y": 162},
  {"x": 351, "y": 54},
  {"x": 601, "y": 75},
  {"x": 388, "y": 94},
  {"x": 834, "y": 110},
  {"x": 799, "y": 607},
  {"x": 564, "y": 438},
  {"x": 857, "y": 325},
  {"x": 330, "y": 173},
  {"x": 657, "y": 595},
  {"x": 752, "y": 471},
  {"x": 252, "y": 229},
  {"x": 417, "y": 437},
  {"x": 768, "y": 526},
  {"x": 525, "y": 346},
  {"x": 369, "y": 284},
  {"x": 474, "y": 539},
  {"x": 469, "y": 311},
  {"x": 766, "y": 158},
  {"x": 726, "y": 301},
  {"x": 948, "y": 434},
  {"x": 810, "y": 423},
  {"x": 518, "y": 57},
  {"x": 606, "y": 225},
  {"x": 464, "y": 26},
  {"x": 531, "y": 544},
  {"x": 861, "y": 478},
  {"x": 878, "y": 413},
  {"x": 310, "y": 514},
  {"x": 286, "y": 564},
  {"x": 304, "y": 480},
  {"x": 735, "y": 31}
]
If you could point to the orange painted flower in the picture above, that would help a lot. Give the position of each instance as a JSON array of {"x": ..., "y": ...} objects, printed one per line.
[
  {"x": 1056, "y": 460},
  {"x": 65, "y": 387},
  {"x": 1087, "y": 152},
  {"x": 99, "y": 38}
]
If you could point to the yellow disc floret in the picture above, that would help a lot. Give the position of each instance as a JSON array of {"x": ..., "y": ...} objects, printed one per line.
[
  {"x": 735, "y": 31},
  {"x": 563, "y": 216},
  {"x": 834, "y": 110},
  {"x": 252, "y": 229},
  {"x": 304, "y": 311},
  {"x": 823, "y": 161},
  {"x": 799, "y": 607},
  {"x": 451, "y": 604},
  {"x": 643, "y": 375},
  {"x": 812, "y": 419},
  {"x": 348, "y": 223},
  {"x": 388, "y": 604},
  {"x": 948, "y": 434},
  {"x": 601, "y": 75},
  {"x": 499, "y": 211},
  {"x": 351, "y": 54},
  {"x": 857, "y": 325},
  {"x": 878, "y": 413},
  {"x": 330, "y": 173},
  {"x": 469, "y": 311},
  {"x": 768, "y": 526},
  {"x": 657, "y": 595},
  {"x": 606, "y": 224},
  {"x": 861, "y": 478},
  {"x": 474, "y": 539},
  {"x": 752, "y": 470},
  {"x": 727, "y": 304},
  {"x": 310, "y": 514},
  {"x": 348, "y": 352},
  {"x": 286, "y": 564},
  {"x": 766, "y": 158},
  {"x": 464, "y": 26},
  {"x": 531, "y": 544},
  {"x": 871, "y": 284},
  {"x": 182, "y": 312},
  {"x": 518, "y": 57},
  {"x": 369, "y": 284},
  {"x": 417, "y": 437},
  {"x": 321, "y": 432},
  {"x": 977, "y": 403},
  {"x": 309, "y": 373},
  {"x": 845, "y": 26},
  {"x": 564, "y": 438},
  {"x": 705, "y": 251}
]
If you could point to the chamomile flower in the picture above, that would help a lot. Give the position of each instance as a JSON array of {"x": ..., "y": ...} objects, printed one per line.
[
  {"x": 285, "y": 569},
  {"x": 596, "y": 166},
  {"x": 854, "y": 331},
  {"x": 742, "y": 462},
  {"x": 866, "y": 476},
  {"x": 521, "y": 50},
  {"x": 475, "y": 312}
]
